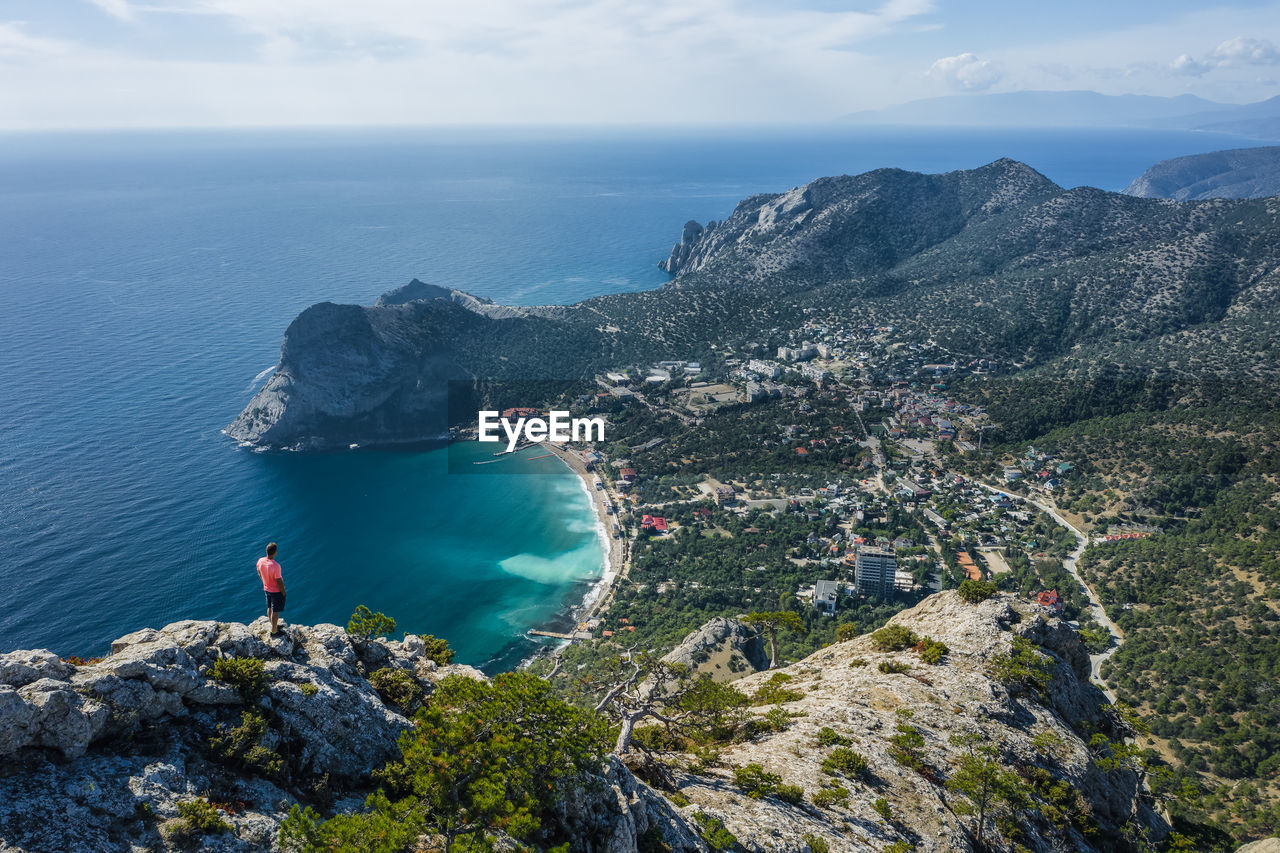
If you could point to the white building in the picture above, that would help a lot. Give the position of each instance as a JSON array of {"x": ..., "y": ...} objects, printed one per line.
[{"x": 875, "y": 572}]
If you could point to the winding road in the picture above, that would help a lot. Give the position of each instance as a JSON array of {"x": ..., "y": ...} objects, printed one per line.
[{"x": 1095, "y": 605}]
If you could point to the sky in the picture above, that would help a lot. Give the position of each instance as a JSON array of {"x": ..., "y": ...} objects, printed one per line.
[{"x": 80, "y": 64}]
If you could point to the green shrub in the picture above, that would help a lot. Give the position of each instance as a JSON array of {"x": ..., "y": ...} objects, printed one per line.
[
  {"x": 828, "y": 736},
  {"x": 906, "y": 746},
  {"x": 755, "y": 781},
  {"x": 932, "y": 651},
  {"x": 893, "y": 667},
  {"x": 792, "y": 794},
  {"x": 1049, "y": 744},
  {"x": 1025, "y": 667},
  {"x": 900, "y": 847},
  {"x": 365, "y": 624},
  {"x": 241, "y": 746},
  {"x": 658, "y": 739},
  {"x": 893, "y": 638},
  {"x": 773, "y": 691},
  {"x": 713, "y": 831},
  {"x": 777, "y": 720},
  {"x": 972, "y": 592},
  {"x": 816, "y": 844},
  {"x": 857, "y": 662},
  {"x": 845, "y": 761},
  {"x": 437, "y": 649},
  {"x": 847, "y": 631},
  {"x": 246, "y": 675},
  {"x": 829, "y": 797},
  {"x": 398, "y": 689},
  {"x": 309, "y": 689},
  {"x": 196, "y": 817},
  {"x": 882, "y": 807},
  {"x": 482, "y": 756}
]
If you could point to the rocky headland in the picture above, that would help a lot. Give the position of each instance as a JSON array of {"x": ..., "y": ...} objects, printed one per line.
[{"x": 1235, "y": 173}]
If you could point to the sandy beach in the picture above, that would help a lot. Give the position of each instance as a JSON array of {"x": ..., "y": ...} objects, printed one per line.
[{"x": 617, "y": 550}]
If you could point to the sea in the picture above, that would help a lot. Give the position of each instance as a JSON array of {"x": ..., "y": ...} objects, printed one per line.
[{"x": 146, "y": 279}]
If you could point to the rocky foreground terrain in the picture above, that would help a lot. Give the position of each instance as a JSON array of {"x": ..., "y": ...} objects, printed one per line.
[{"x": 103, "y": 755}]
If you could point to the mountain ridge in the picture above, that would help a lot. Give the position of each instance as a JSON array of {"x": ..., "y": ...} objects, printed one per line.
[
  {"x": 1231, "y": 173},
  {"x": 1036, "y": 270}
]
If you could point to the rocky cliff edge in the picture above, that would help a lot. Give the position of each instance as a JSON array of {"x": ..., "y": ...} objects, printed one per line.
[{"x": 99, "y": 755}]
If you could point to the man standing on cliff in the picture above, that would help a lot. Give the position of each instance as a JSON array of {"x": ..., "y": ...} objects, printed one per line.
[{"x": 273, "y": 585}]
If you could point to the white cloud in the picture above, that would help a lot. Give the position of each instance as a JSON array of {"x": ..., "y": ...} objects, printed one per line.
[
  {"x": 1234, "y": 52},
  {"x": 1190, "y": 66},
  {"x": 340, "y": 62},
  {"x": 1247, "y": 51},
  {"x": 15, "y": 42},
  {"x": 966, "y": 72}
]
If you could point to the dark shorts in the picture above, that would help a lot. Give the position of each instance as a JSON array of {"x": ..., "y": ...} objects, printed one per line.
[{"x": 275, "y": 601}]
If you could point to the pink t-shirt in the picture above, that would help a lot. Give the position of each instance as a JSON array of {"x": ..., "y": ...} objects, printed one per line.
[{"x": 269, "y": 571}]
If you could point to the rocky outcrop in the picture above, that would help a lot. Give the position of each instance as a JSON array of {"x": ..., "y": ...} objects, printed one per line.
[
  {"x": 843, "y": 688},
  {"x": 724, "y": 648},
  {"x": 680, "y": 253},
  {"x": 381, "y": 374},
  {"x": 616, "y": 813},
  {"x": 1236, "y": 173},
  {"x": 109, "y": 749},
  {"x": 1266, "y": 845},
  {"x": 98, "y": 757}
]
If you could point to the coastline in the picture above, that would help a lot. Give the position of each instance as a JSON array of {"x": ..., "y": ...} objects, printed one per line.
[{"x": 616, "y": 551}]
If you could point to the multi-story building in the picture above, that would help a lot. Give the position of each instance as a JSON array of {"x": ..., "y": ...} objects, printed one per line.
[{"x": 874, "y": 571}]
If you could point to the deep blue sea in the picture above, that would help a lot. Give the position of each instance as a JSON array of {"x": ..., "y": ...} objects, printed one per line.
[{"x": 146, "y": 280}]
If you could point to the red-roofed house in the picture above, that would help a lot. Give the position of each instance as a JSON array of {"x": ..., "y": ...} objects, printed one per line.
[
  {"x": 655, "y": 522},
  {"x": 1051, "y": 600},
  {"x": 628, "y": 474}
]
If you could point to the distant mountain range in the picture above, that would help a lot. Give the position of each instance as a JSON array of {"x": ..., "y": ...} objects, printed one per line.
[
  {"x": 1237, "y": 173},
  {"x": 1082, "y": 109}
]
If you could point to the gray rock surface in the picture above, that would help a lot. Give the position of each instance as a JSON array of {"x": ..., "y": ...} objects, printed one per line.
[
  {"x": 689, "y": 235},
  {"x": 843, "y": 689},
  {"x": 379, "y": 374},
  {"x": 722, "y": 647},
  {"x": 1235, "y": 173},
  {"x": 117, "y": 744},
  {"x": 1265, "y": 845},
  {"x": 99, "y": 757}
]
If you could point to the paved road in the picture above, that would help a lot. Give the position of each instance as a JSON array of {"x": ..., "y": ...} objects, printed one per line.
[{"x": 1095, "y": 605}]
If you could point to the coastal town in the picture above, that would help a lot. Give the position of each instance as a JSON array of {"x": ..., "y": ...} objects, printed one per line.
[{"x": 839, "y": 478}]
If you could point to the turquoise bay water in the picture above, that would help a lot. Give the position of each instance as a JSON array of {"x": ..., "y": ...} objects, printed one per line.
[{"x": 146, "y": 280}]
